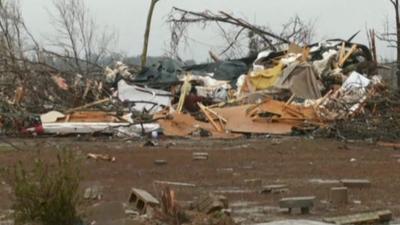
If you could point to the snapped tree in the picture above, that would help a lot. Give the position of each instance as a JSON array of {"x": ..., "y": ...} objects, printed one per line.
[{"x": 147, "y": 32}]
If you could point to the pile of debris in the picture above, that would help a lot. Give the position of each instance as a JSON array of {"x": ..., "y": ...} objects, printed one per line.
[
  {"x": 379, "y": 120},
  {"x": 299, "y": 89}
]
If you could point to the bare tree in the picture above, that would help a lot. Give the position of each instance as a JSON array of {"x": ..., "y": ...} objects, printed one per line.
[
  {"x": 298, "y": 31},
  {"x": 393, "y": 37},
  {"x": 16, "y": 43},
  {"x": 20, "y": 69},
  {"x": 28, "y": 78},
  {"x": 80, "y": 41}
]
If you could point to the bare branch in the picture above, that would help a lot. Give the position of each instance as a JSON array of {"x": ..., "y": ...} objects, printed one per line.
[
  {"x": 394, "y": 3},
  {"x": 79, "y": 38},
  {"x": 184, "y": 16},
  {"x": 295, "y": 30}
]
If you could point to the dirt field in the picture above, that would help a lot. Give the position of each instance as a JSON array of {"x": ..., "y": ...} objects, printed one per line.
[{"x": 304, "y": 165}]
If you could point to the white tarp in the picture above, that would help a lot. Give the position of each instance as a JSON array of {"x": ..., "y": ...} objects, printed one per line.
[
  {"x": 147, "y": 99},
  {"x": 355, "y": 93},
  {"x": 355, "y": 81}
]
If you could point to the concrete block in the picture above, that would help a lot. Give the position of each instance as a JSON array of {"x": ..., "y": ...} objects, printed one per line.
[
  {"x": 325, "y": 182},
  {"x": 225, "y": 170},
  {"x": 93, "y": 193},
  {"x": 356, "y": 183},
  {"x": 160, "y": 162},
  {"x": 200, "y": 156},
  {"x": 339, "y": 195},
  {"x": 275, "y": 189},
  {"x": 303, "y": 203},
  {"x": 141, "y": 200},
  {"x": 385, "y": 216}
]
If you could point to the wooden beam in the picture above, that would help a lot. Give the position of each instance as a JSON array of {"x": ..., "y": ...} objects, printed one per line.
[
  {"x": 214, "y": 57},
  {"x": 215, "y": 125},
  {"x": 344, "y": 59}
]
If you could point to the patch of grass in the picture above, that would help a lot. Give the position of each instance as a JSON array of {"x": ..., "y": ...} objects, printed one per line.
[
  {"x": 4, "y": 149},
  {"x": 47, "y": 193}
]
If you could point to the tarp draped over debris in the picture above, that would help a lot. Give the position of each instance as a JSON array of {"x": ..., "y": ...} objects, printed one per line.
[{"x": 301, "y": 80}]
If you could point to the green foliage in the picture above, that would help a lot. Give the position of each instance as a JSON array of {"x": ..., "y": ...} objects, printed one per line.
[{"x": 48, "y": 194}]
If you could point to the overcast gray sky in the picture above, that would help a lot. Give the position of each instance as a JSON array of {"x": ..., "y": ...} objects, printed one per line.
[{"x": 334, "y": 19}]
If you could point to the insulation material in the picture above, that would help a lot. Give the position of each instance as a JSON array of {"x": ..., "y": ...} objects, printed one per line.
[{"x": 266, "y": 78}]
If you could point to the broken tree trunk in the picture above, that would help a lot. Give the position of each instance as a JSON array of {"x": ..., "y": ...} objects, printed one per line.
[{"x": 147, "y": 32}]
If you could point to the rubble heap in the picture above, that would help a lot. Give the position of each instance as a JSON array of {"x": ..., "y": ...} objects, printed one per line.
[
  {"x": 296, "y": 90},
  {"x": 379, "y": 120}
]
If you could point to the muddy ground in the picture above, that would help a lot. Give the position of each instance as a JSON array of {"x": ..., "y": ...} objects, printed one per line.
[{"x": 304, "y": 165}]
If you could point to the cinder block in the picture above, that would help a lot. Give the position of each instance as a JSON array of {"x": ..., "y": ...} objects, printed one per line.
[
  {"x": 356, "y": 183},
  {"x": 200, "y": 156},
  {"x": 385, "y": 216},
  {"x": 93, "y": 193},
  {"x": 141, "y": 199},
  {"x": 275, "y": 189},
  {"x": 303, "y": 203},
  {"x": 339, "y": 195}
]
